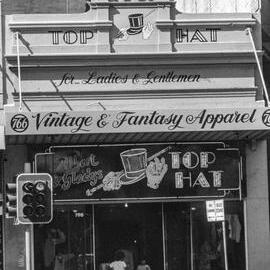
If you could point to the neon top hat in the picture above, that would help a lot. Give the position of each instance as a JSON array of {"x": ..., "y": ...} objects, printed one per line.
[
  {"x": 136, "y": 23},
  {"x": 134, "y": 163}
]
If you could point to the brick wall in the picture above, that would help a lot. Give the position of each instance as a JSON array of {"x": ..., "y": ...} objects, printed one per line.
[{"x": 42, "y": 6}]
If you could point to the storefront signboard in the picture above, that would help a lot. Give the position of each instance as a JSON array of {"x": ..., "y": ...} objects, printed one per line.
[
  {"x": 215, "y": 210},
  {"x": 96, "y": 80},
  {"x": 92, "y": 122},
  {"x": 129, "y": 30},
  {"x": 142, "y": 171}
]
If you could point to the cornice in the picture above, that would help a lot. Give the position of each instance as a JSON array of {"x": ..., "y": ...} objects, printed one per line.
[
  {"x": 153, "y": 94},
  {"x": 131, "y": 3},
  {"x": 57, "y": 24},
  {"x": 208, "y": 22},
  {"x": 122, "y": 59}
]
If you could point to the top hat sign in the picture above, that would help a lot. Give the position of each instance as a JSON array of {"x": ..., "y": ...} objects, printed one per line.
[
  {"x": 134, "y": 162},
  {"x": 136, "y": 23}
]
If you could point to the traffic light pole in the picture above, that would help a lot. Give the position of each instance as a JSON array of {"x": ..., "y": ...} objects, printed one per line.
[
  {"x": 28, "y": 248},
  {"x": 29, "y": 251},
  {"x": 34, "y": 206}
]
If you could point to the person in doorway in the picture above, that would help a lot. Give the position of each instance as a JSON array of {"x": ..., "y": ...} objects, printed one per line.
[
  {"x": 129, "y": 260},
  {"x": 54, "y": 237},
  {"x": 206, "y": 257},
  {"x": 118, "y": 263},
  {"x": 143, "y": 265}
]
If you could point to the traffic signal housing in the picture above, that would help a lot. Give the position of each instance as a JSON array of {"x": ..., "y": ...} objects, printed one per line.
[
  {"x": 11, "y": 200},
  {"x": 34, "y": 195}
]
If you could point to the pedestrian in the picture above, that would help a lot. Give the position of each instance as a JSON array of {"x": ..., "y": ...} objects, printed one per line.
[{"x": 118, "y": 263}]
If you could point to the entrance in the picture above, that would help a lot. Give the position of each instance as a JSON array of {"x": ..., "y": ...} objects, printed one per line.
[{"x": 135, "y": 229}]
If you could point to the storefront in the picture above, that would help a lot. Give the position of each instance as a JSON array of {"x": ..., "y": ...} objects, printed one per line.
[
  {"x": 147, "y": 200},
  {"x": 141, "y": 115}
]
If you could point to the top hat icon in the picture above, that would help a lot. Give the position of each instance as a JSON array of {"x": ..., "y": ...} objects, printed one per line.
[
  {"x": 134, "y": 162},
  {"x": 136, "y": 23}
]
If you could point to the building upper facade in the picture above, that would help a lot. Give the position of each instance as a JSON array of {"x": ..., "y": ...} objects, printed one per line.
[
  {"x": 134, "y": 56},
  {"x": 119, "y": 52},
  {"x": 78, "y": 6}
]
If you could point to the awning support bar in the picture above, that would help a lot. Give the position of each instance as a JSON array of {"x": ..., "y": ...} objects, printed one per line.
[
  {"x": 19, "y": 71},
  {"x": 259, "y": 66}
]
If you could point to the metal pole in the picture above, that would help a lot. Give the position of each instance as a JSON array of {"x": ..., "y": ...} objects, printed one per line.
[
  {"x": 246, "y": 233},
  {"x": 27, "y": 249},
  {"x": 259, "y": 67},
  {"x": 28, "y": 233},
  {"x": 19, "y": 70},
  {"x": 225, "y": 245},
  {"x": 32, "y": 246},
  {"x": 191, "y": 240},
  {"x": 163, "y": 236},
  {"x": 94, "y": 239}
]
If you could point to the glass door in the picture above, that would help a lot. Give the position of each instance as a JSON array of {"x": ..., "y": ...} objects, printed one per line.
[
  {"x": 67, "y": 242},
  {"x": 178, "y": 241}
]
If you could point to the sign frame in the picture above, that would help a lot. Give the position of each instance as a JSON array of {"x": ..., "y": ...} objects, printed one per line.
[
  {"x": 132, "y": 121},
  {"x": 224, "y": 192}
]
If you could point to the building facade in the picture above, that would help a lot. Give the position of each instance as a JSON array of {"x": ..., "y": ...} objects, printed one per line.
[{"x": 150, "y": 121}]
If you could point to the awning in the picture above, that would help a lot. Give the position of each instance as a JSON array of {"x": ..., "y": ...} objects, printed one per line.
[{"x": 139, "y": 137}]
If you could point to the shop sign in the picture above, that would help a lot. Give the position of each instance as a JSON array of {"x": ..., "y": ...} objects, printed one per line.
[
  {"x": 137, "y": 26},
  {"x": 90, "y": 122},
  {"x": 142, "y": 171},
  {"x": 197, "y": 35},
  {"x": 133, "y": 79},
  {"x": 147, "y": 78},
  {"x": 71, "y": 36},
  {"x": 215, "y": 210}
]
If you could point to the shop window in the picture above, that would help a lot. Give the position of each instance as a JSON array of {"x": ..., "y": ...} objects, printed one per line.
[
  {"x": 168, "y": 236},
  {"x": 66, "y": 243}
]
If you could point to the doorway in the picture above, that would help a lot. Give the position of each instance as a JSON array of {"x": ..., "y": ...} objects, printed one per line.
[{"x": 135, "y": 229}]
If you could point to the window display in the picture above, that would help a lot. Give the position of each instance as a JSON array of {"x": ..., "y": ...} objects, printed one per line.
[{"x": 143, "y": 236}]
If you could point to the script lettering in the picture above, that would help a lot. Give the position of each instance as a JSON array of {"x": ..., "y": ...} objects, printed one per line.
[
  {"x": 211, "y": 120},
  {"x": 55, "y": 119},
  {"x": 172, "y": 121}
]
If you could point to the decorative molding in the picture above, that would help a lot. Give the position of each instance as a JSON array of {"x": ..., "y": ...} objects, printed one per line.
[
  {"x": 123, "y": 59},
  {"x": 151, "y": 94},
  {"x": 207, "y": 22},
  {"x": 23, "y": 25}
]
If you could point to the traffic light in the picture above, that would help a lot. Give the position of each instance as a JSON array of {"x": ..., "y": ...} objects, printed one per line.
[
  {"x": 34, "y": 194},
  {"x": 11, "y": 200}
]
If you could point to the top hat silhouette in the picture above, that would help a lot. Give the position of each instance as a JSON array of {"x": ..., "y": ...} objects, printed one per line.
[{"x": 136, "y": 23}]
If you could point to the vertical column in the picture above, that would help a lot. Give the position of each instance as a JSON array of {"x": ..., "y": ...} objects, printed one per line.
[
  {"x": 2, "y": 60},
  {"x": 257, "y": 207},
  {"x": 14, "y": 235},
  {"x": 164, "y": 32},
  {"x": 103, "y": 34}
]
